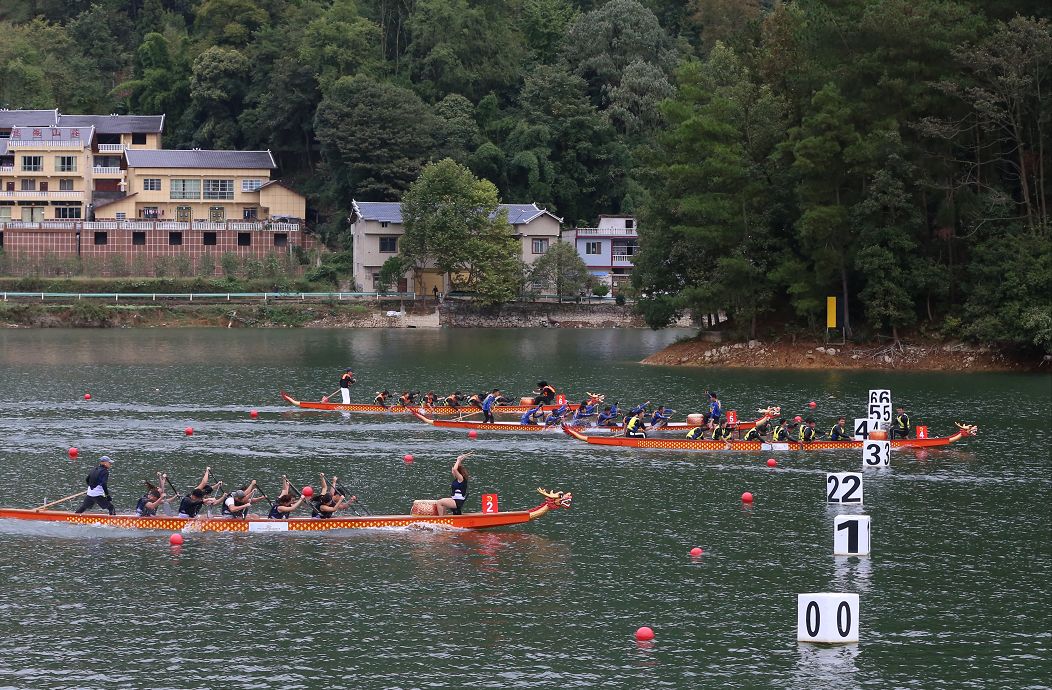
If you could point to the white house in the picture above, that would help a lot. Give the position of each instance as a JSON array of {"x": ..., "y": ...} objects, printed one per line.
[
  {"x": 609, "y": 249},
  {"x": 376, "y": 227}
]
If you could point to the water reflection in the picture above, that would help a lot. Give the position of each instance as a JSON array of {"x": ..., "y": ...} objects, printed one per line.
[{"x": 823, "y": 666}]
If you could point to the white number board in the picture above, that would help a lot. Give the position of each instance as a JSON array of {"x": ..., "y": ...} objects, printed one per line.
[
  {"x": 879, "y": 405},
  {"x": 844, "y": 487},
  {"x": 851, "y": 535},
  {"x": 827, "y": 617},
  {"x": 876, "y": 453},
  {"x": 863, "y": 428}
]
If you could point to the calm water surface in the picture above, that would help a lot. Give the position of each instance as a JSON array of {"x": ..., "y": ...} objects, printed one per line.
[{"x": 955, "y": 594}]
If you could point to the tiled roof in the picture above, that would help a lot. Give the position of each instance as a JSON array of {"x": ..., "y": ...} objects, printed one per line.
[
  {"x": 197, "y": 158},
  {"x": 28, "y": 118},
  {"x": 391, "y": 212},
  {"x": 113, "y": 201},
  {"x": 116, "y": 124}
]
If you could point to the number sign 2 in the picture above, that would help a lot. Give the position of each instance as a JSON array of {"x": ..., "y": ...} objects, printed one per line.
[
  {"x": 827, "y": 617},
  {"x": 489, "y": 503},
  {"x": 876, "y": 453},
  {"x": 844, "y": 487}
]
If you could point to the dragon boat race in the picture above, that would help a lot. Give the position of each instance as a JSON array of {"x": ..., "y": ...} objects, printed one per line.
[{"x": 489, "y": 522}]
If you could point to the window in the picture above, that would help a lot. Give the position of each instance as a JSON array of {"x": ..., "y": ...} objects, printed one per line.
[
  {"x": 149, "y": 212},
  {"x": 182, "y": 214},
  {"x": 101, "y": 238},
  {"x": 384, "y": 223},
  {"x": 32, "y": 214},
  {"x": 209, "y": 239},
  {"x": 251, "y": 185},
  {"x": 139, "y": 139},
  {"x": 281, "y": 239},
  {"x": 244, "y": 239},
  {"x": 388, "y": 245},
  {"x": 185, "y": 189},
  {"x": 5, "y": 214},
  {"x": 121, "y": 215},
  {"x": 593, "y": 247},
  {"x": 66, "y": 163},
  {"x": 216, "y": 214},
  {"x": 65, "y": 185},
  {"x": 250, "y": 213},
  {"x": 175, "y": 238},
  {"x": 630, "y": 223},
  {"x": 32, "y": 163},
  {"x": 219, "y": 189},
  {"x": 376, "y": 280},
  {"x": 151, "y": 184},
  {"x": 540, "y": 246},
  {"x": 138, "y": 238},
  {"x": 68, "y": 212},
  {"x": 29, "y": 185}
]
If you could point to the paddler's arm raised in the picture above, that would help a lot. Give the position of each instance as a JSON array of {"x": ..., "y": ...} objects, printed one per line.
[{"x": 204, "y": 479}]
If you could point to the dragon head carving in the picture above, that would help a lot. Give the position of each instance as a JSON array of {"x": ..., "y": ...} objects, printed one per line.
[
  {"x": 772, "y": 411},
  {"x": 968, "y": 429},
  {"x": 556, "y": 499}
]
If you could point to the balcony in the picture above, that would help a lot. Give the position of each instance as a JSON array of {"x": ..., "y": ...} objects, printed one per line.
[
  {"x": 607, "y": 232},
  {"x": 45, "y": 144},
  {"x": 103, "y": 171},
  {"x": 623, "y": 259},
  {"x": 7, "y": 168},
  {"x": 37, "y": 194},
  {"x": 111, "y": 148}
]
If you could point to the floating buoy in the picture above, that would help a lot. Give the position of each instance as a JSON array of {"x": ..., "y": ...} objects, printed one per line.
[
  {"x": 307, "y": 491},
  {"x": 473, "y": 434},
  {"x": 771, "y": 462},
  {"x": 253, "y": 413},
  {"x": 73, "y": 453},
  {"x": 408, "y": 458},
  {"x": 696, "y": 551},
  {"x": 747, "y": 497},
  {"x": 812, "y": 404},
  {"x": 325, "y": 398},
  {"x": 87, "y": 396},
  {"x": 644, "y": 634},
  {"x": 798, "y": 419},
  {"x": 189, "y": 431},
  {"x": 176, "y": 539}
]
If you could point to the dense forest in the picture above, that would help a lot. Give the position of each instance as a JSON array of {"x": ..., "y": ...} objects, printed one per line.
[{"x": 891, "y": 152}]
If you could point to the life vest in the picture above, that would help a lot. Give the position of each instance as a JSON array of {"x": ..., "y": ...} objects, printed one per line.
[
  {"x": 780, "y": 434},
  {"x": 276, "y": 514},
  {"x": 141, "y": 510},
  {"x": 902, "y": 422},
  {"x": 634, "y": 424},
  {"x": 696, "y": 433},
  {"x": 752, "y": 435},
  {"x": 458, "y": 490},
  {"x": 548, "y": 391},
  {"x": 346, "y": 380},
  {"x": 837, "y": 433},
  {"x": 807, "y": 434}
]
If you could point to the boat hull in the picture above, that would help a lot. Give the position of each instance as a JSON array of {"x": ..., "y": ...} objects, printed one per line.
[{"x": 401, "y": 409}]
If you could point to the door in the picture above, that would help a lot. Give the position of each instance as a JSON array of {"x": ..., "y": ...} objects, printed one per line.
[
  {"x": 32, "y": 214},
  {"x": 43, "y": 185},
  {"x": 10, "y": 186},
  {"x": 182, "y": 214},
  {"x": 216, "y": 214}
]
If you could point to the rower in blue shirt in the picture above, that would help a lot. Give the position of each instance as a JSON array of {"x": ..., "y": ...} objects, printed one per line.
[
  {"x": 583, "y": 412},
  {"x": 660, "y": 417},
  {"x": 556, "y": 416},
  {"x": 715, "y": 412},
  {"x": 533, "y": 416},
  {"x": 608, "y": 417},
  {"x": 487, "y": 406}
]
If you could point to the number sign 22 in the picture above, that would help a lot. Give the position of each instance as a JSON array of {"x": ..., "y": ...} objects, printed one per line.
[{"x": 844, "y": 487}]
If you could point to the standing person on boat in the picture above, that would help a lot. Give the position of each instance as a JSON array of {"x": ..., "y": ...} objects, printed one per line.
[
  {"x": 839, "y": 431},
  {"x": 608, "y": 417},
  {"x": 902, "y": 427},
  {"x": 345, "y": 386},
  {"x": 660, "y": 417},
  {"x": 781, "y": 432},
  {"x": 487, "y": 406},
  {"x": 807, "y": 431},
  {"x": 458, "y": 489},
  {"x": 545, "y": 393},
  {"x": 283, "y": 504},
  {"x": 715, "y": 410},
  {"x": 634, "y": 427},
  {"x": 98, "y": 494},
  {"x": 534, "y": 415},
  {"x": 381, "y": 398}
]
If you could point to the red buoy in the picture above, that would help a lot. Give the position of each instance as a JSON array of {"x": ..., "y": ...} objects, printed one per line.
[
  {"x": 812, "y": 404},
  {"x": 176, "y": 539},
  {"x": 473, "y": 434},
  {"x": 747, "y": 497},
  {"x": 253, "y": 413},
  {"x": 771, "y": 462},
  {"x": 307, "y": 491},
  {"x": 408, "y": 458},
  {"x": 696, "y": 551},
  {"x": 73, "y": 453},
  {"x": 798, "y": 419},
  {"x": 189, "y": 431},
  {"x": 87, "y": 396},
  {"x": 644, "y": 634}
]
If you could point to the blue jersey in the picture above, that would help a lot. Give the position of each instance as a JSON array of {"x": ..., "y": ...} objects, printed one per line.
[
  {"x": 660, "y": 416},
  {"x": 487, "y": 404},
  {"x": 714, "y": 409},
  {"x": 528, "y": 417},
  {"x": 637, "y": 409}
]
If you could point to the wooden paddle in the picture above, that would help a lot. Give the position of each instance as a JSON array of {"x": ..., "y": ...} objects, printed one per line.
[
  {"x": 465, "y": 416},
  {"x": 48, "y": 505}
]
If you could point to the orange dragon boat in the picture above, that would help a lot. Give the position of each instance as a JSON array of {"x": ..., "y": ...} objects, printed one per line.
[
  {"x": 401, "y": 409},
  {"x": 687, "y": 444},
  {"x": 511, "y": 426},
  {"x": 424, "y": 513}
]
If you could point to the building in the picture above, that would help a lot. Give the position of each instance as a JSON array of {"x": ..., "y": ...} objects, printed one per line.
[
  {"x": 608, "y": 250},
  {"x": 377, "y": 226}
]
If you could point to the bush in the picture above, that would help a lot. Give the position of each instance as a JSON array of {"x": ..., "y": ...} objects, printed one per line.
[
  {"x": 181, "y": 265},
  {"x": 206, "y": 265},
  {"x": 162, "y": 266},
  {"x": 118, "y": 265},
  {"x": 619, "y": 299},
  {"x": 601, "y": 290},
  {"x": 230, "y": 264}
]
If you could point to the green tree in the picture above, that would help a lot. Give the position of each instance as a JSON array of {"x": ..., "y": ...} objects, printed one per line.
[
  {"x": 217, "y": 88},
  {"x": 340, "y": 43},
  {"x": 561, "y": 269},
  {"x": 230, "y": 22}
]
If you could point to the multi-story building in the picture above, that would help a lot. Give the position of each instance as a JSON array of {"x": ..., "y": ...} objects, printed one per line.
[
  {"x": 609, "y": 249},
  {"x": 377, "y": 226}
]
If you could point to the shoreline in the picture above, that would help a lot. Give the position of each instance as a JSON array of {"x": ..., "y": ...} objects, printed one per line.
[{"x": 931, "y": 356}]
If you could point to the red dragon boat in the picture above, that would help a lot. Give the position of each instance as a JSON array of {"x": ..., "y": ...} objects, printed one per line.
[
  {"x": 423, "y": 514},
  {"x": 687, "y": 444},
  {"x": 401, "y": 409},
  {"x": 511, "y": 426}
]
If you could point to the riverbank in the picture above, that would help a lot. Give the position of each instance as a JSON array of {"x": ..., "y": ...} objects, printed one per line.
[
  {"x": 699, "y": 352},
  {"x": 330, "y": 314}
]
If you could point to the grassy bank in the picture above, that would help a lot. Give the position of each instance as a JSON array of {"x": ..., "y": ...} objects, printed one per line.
[{"x": 97, "y": 315}]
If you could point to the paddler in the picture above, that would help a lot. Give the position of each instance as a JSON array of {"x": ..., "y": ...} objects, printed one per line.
[
  {"x": 722, "y": 432},
  {"x": 381, "y": 398},
  {"x": 345, "y": 386},
  {"x": 453, "y": 399},
  {"x": 407, "y": 399},
  {"x": 236, "y": 505},
  {"x": 98, "y": 494},
  {"x": 634, "y": 427},
  {"x": 545, "y": 393},
  {"x": 781, "y": 432},
  {"x": 839, "y": 430},
  {"x": 429, "y": 399},
  {"x": 458, "y": 488},
  {"x": 759, "y": 431},
  {"x": 283, "y": 504},
  {"x": 583, "y": 412},
  {"x": 807, "y": 431},
  {"x": 696, "y": 434},
  {"x": 660, "y": 417},
  {"x": 150, "y": 501},
  {"x": 487, "y": 406},
  {"x": 902, "y": 427},
  {"x": 191, "y": 504},
  {"x": 533, "y": 416},
  {"x": 556, "y": 416},
  {"x": 608, "y": 417}
]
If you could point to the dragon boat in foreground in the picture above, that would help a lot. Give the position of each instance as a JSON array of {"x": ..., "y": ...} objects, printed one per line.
[
  {"x": 445, "y": 410},
  {"x": 675, "y": 427},
  {"x": 665, "y": 443},
  {"x": 423, "y": 513}
]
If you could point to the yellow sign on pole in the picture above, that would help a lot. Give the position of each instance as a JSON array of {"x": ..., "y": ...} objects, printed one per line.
[{"x": 830, "y": 312}]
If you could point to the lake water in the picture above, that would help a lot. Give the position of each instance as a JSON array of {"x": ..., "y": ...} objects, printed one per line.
[{"x": 954, "y": 595}]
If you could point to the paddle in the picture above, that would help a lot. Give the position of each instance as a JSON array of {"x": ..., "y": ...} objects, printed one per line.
[
  {"x": 48, "y": 505},
  {"x": 354, "y": 504},
  {"x": 465, "y": 416}
]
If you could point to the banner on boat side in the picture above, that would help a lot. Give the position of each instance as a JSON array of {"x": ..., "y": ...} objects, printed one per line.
[
  {"x": 271, "y": 526},
  {"x": 489, "y": 503}
]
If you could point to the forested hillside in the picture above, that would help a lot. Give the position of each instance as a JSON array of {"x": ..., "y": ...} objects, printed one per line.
[{"x": 892, "y": 152}]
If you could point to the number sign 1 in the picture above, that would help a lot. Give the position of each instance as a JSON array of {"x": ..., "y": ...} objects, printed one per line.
[
  {"x": 876, "y": 453},
  {"x": 863, "y": 427},
  {"x": 827, "y": 617},
  {"x": 844, "y": 487},
  {"x": 489, "y": 503},
  {"x": 851, "y": 535}
]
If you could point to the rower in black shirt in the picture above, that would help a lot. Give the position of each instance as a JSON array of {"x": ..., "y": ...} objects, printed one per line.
[
  {"x": 283, "y": 504},
  {"x": 98, "y": 493},
  {"x": 839, "y": 431}
]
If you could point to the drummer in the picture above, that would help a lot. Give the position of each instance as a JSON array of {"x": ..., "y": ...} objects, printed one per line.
[{"x": 458, "y": 489}]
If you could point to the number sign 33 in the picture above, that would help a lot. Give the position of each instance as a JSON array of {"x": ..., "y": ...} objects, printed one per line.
[{"x": 876, "y": 453}]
